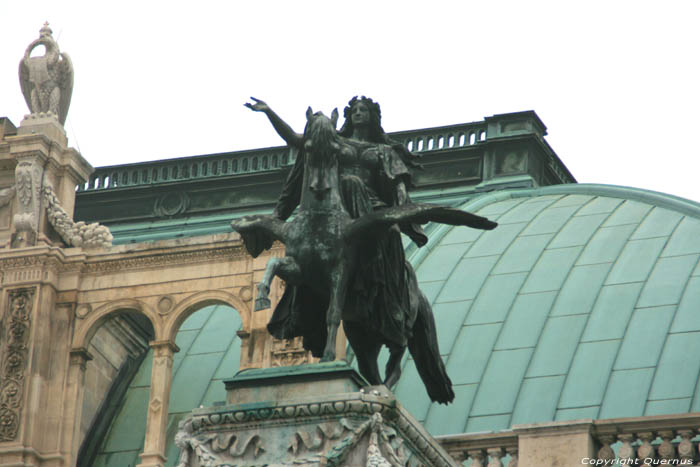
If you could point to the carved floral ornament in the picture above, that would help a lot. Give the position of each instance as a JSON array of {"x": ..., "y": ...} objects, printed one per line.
[
  {"x": 73, "y": 233},
  {"x": 15, "y": 352}
]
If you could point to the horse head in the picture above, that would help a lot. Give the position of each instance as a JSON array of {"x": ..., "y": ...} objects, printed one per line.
[{"x": 321, "y": 146}]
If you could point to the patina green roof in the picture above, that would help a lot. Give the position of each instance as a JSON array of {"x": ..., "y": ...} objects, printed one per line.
[{"x": 582, "y": 303}]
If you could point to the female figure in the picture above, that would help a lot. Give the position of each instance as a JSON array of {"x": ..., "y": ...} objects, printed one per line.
[{"x": 374, "y": 173}]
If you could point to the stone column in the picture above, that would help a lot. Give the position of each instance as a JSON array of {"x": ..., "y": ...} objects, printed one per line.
[
  {"x": 73, "y": 403},
  {"x": 157, "y": 418},
  {"x": 555, "y": 443}
]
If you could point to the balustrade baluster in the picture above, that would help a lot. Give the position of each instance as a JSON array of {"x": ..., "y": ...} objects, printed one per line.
[
  {"x": 477, "y": 457},
  {"x": 626, "y": 451},
  {"x": 686, "y": 452},
  {"x": 513, "y": 453},
  {"x": 646, "y": 450},
  {"x": 666, "y": 450},
  {"x": 606, "y": 453},
  {"x": 495, "y": 455}
]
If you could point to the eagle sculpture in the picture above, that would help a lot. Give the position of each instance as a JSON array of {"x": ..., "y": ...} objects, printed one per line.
[{"x": 47, "y": 81}]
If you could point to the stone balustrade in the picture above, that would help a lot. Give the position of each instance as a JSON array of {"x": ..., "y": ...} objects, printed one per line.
[
  {"x": 443, "y": 138},
  {"x": 483, "y": 449},
  {"x": 657, "y": 440},
  {"x": 261, "y": 160},
  {"x": 189, "y": 168}
]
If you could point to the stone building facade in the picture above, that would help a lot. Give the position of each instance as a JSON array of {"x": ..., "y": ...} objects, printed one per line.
[{"x": 569, "y": 332}]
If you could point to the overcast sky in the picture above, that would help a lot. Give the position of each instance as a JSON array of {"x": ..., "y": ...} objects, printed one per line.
[{"x": 616, "y": 82}]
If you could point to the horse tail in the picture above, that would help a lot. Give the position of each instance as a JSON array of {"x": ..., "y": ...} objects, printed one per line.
[{"x": 423, "y": 346}]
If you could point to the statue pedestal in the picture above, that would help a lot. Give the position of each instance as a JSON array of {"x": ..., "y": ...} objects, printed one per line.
[
  {"x": 307, "y": 415},
  {"x": 44, "y": 123}
]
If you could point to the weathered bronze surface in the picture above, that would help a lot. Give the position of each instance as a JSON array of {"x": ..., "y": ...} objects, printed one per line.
[{"x": 344, "y": 257}]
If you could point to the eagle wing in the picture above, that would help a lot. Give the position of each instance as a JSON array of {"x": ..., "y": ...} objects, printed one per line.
[
  {"x": 24, "y": 82},
  {"x": 65, "y": 84}
]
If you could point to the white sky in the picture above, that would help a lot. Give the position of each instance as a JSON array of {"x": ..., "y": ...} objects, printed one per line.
[{"x": 616, "y": 82}]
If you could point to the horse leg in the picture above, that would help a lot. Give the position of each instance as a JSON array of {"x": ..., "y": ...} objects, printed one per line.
[
  {"x": 286, "y": 268},
  {"x": 338, "y": 288},
  {"x": 366, "y": 351},
  {"x": 393, "y": 366}
]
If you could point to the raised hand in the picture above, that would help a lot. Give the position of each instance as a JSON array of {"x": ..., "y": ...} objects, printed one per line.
[{"x": 258, "y": 106}]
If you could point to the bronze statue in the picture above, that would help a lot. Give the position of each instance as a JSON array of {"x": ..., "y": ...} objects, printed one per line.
[
  {"x": 344, "y": 257},
  {"x": 47, "y": 81}
]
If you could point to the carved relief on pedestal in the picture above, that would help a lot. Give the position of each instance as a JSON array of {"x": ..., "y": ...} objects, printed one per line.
[
  {"x": 15, "y": 353},
  {"x": 325, "y": 443},
  {"x": 289, "y": 352},
  {"x": 213, "y": 449}
]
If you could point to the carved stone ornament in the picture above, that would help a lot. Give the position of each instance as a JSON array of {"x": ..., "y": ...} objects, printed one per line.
[
  {"x": 171, "y": 204},
  {"x": 47, "y": 81},
  {"x": 246, "y": 293},
  {"x": 215, "y": 449},
  {"x": 15, "y": 353},
  {"x": 289, "y": 352},
  {"x": 165, "y": 305},
  {"x": 73, "y": 233},
  {"x": 28, "y": 175},
  {"x": 83, "y": 310},
  {"x": 6, "y": 195},
  {"x": 328, "y": 443},
  {"x": 343, "y": 430}
]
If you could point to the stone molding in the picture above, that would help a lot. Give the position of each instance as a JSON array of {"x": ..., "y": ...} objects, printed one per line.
[{"x": 148, "y": 261}]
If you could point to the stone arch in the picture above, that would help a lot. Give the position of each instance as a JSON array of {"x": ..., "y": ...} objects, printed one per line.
[
  {"x": 192, "y": 304},
  {"x": 89, "y": 326}
]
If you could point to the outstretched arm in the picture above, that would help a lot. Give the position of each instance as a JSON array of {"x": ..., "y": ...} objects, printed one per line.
[{"x": 285, "y": 131}]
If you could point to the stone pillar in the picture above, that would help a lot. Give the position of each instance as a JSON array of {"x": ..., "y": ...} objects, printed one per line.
[
  {"x": 157, "y": 418},
  {"x": 73, "y": 404},
  {"x": 41, "y": 158},
  {"x": 555, "y": 443}
]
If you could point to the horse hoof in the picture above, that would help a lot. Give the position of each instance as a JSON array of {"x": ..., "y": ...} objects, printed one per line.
[
  {"x": 262, "y": 303},
  {"x": 328, "y": 357}
]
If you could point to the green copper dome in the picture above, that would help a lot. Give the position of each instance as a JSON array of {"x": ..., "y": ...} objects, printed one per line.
[{"x": 583, "y": 303}]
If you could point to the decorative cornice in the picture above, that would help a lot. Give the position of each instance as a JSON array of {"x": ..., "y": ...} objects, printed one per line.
[{"x": 151, "y": 260}]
